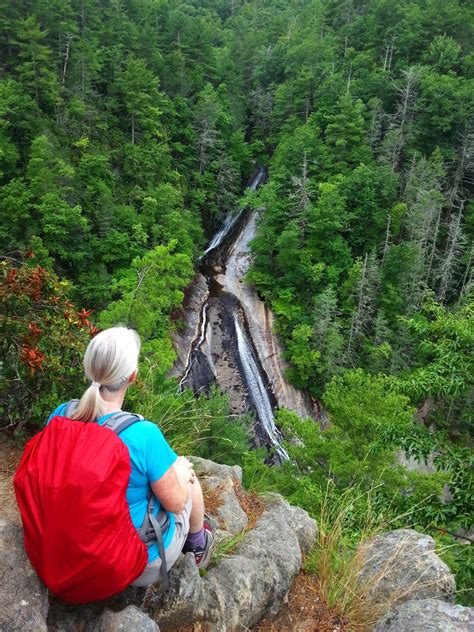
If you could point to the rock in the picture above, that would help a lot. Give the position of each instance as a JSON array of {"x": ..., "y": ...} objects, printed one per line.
[
  {"x": 183, "y": 602},
  {"x": 194, "y": 296},
  {"x": 129, "y": 620},
  {"x": 23, "y": 597},
  {"x": 210, "y": 468},
  {"x": 427, "y": 615},
  {"x": 401, "y": 566},
  {"x": 219, "y": 481},
  {"x": 244, "y": 586},
  {"x": 64, "y": 617}
]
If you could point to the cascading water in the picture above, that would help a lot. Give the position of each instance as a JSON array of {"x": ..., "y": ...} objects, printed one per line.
[
  {"x": 227, "y": 357},
  {"x": 258, "y": 392},
  {"x": 232, "y": 219}
]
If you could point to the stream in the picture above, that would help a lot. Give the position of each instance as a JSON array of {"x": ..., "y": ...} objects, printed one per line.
[{"x": 230, "y": 340}]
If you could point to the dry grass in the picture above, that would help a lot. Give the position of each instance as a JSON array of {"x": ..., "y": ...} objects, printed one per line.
[
  {"x": 252, "y": 504},
  {"x": 337, "y": 567},
  {"x": 212, "y": 497},
  {"x": 306, "y": 611}
]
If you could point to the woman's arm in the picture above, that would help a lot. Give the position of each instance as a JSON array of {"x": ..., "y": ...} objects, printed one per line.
[{"x": 172, "y": 489}]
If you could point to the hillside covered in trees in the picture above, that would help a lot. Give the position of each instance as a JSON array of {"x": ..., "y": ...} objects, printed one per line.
[{"x": 127, "y": 131}]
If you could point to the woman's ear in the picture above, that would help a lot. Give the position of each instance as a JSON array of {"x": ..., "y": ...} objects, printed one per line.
[{"x": 133, "y": 377}]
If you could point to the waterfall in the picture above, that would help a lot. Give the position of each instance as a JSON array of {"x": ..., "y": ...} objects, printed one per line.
[
  {"x": 258, "y": 392},
  {"x": 232, "y": 218},
  {"x": 228, "y": 356}
]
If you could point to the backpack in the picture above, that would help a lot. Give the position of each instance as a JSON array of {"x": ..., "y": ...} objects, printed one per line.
[{"x": 71, "y": 489}]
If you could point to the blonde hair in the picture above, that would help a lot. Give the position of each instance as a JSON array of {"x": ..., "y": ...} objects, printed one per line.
[{"x": 110, "y": 359}]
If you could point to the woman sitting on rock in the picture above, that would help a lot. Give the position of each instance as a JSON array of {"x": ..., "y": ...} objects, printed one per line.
[{"x": 162, "y": 487}]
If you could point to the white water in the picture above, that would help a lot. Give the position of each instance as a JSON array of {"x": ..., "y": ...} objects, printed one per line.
[
  {"x": 228, "y": 223},
  {"x": 231, "y": 219},
  {"x": 258, "y": 392}
]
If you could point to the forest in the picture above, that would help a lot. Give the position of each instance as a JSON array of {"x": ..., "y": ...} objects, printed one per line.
[{"x": 128, "y": 129}]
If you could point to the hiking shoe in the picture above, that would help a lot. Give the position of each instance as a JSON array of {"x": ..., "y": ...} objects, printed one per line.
[{"x": 202, "y": 555}]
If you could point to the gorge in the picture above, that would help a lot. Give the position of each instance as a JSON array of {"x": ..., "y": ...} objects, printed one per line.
[{"x": 229, "y": 339}]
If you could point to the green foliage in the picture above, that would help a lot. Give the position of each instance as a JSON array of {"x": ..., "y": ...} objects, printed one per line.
[
  {"x": 44, "y": 337},
  {"x": 125, "y": 132},
  {"x": 148, "y": 293},
  {"x": 459, "y": 556}
]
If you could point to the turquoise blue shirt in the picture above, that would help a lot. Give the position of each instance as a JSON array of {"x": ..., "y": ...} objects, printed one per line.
[{"x": 150, "y": 458}]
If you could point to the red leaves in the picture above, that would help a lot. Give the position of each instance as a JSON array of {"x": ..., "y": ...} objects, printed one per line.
[
  {"x": 32, "y": 358},
  {"x": 94, "y": 330},
  {"x": 83, "y": 316},
  {"x": 44, "y": 326}
]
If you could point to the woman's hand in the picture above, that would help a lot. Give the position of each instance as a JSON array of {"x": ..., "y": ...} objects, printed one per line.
[{"x": 184, "y": 471}]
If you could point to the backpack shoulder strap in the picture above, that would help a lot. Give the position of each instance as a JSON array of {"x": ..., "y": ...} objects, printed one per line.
[
  {"x": 69, "y": 407},
  {"x": 120, "y": 421}
]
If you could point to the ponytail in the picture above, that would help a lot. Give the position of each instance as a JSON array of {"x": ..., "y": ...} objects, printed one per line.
[{"x": 110, "y": 359}]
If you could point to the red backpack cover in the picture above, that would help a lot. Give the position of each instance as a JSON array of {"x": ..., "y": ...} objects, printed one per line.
[{"x": 70, "y": 487}]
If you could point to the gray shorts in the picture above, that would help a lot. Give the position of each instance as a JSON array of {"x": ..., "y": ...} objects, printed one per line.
[{"x": 151, "y": 574}]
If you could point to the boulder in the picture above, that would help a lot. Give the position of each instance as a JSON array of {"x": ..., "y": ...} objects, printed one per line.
[
  {"x": 23, "y": 597},
  {"x": 219, "y": 481},
  {"x": 204, "y": 467},
  {"x": 129, "y": 620},
  {"x": 402, "y": 566},
  {"x": 427, "y": 615},
  {"x": 247, "y": 584}
]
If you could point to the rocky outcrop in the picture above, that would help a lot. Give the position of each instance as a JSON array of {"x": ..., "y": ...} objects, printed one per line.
[
  {"x": 402, "y": 566},
  {"x": 427, "y": 615},
  {"x": 250, "y": 578},
  {"x": 23, "y": 598},
  {"x": 250, "y": 581},
  {"x": 221, "y": 481},
  {"x": 244, "y": 586}
]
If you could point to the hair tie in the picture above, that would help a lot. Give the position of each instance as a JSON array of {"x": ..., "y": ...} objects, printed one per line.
[{"x": 96, "y": 385}]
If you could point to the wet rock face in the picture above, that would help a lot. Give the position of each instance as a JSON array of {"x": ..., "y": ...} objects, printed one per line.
[
  {"x": 402, "y": 566},
  {"x": 187, "y": 319},
  {"x": 217, "y": 359},
  {"x": 23, "y": 597},
  {"x": 221, "y": 351},
  {"x": 429, "y": 615}
]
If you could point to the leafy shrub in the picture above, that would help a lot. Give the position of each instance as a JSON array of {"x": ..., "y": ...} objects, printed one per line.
[{"x": 44, "y": 336}]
